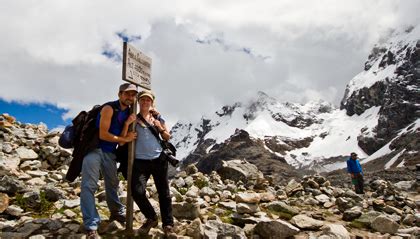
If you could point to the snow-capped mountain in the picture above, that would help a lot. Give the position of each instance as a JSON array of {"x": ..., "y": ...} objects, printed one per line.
[{"x": 378, "y": 119}]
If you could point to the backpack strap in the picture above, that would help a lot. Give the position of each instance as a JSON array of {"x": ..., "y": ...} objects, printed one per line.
[{"x": 151, "y": 128}]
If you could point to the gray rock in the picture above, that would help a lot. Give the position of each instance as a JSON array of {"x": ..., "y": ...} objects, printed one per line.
[
  {"x": 248, "y": 197},
  {"x": 207, "y": 191},
  {"x": 351, "y": 214},
  {"x": 282, "y": 207},
  {"x": 4, "y": 202},
  {"x": 322, "y": 198},
  {"x": 384, "y": 224},
  {"x": 275, "y": 229},
  {"x": 28, "y": 228},
  {"x": 185, "y": 210},
  {"x": 305, "y": 222},
  {"x": 32, "y": 199},
  {"x": 26, "y": 154},
  {"x": 335, "y": 231},
  {"x": 195, "y": 229},
  {"x": 405, "y": 185},
  {"x": 247, "y": 208},
  {"x": 367, "y": 218},
  {"x": 293, "y": 187},
  {"x": 214, "y": 229},
  {"x": 8, "y": 165},
  {"x": 11, "y": 185},
  {"x": 14, "y": 210},
  {"x": 53, "y": 193},
  {"x": 71, "y": 203},
  {"x": 240, "y": 170}
]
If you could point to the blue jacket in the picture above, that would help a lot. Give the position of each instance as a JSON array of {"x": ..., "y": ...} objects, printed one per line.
[{"x": 353, "y": 166}]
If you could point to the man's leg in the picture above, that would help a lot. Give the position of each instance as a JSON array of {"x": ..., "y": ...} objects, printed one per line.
[
  {"x": 109, "y": 171},
  {"x": 90, "y": 176},
  {"x": 360, "y": 183}
]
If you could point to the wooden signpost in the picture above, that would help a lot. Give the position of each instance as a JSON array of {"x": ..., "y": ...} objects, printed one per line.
[{"x": 136, "y": 70}]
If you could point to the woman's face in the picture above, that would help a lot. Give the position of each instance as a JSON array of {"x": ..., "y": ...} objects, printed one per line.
[{"x": 145, "y": 102}]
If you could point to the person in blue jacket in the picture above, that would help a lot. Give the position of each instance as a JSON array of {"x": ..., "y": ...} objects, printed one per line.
[{"x": 355, "y": 170}]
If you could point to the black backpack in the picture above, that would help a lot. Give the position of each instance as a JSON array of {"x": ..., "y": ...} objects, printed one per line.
[{"x": 83, "y": 136}]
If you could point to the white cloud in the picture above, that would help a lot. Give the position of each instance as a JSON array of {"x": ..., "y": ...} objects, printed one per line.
[{"x": 51, "y": 51}]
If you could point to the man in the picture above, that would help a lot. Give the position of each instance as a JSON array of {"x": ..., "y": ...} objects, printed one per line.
[
  {"x": 113, "y": 122},
  {"x": 356, "y": 173}
]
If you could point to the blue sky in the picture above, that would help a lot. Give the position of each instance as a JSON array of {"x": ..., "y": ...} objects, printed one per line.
[{"x": 35, "y": 113}]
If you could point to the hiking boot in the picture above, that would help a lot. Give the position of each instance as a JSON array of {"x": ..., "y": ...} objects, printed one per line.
[
  {"x": 145, "y": 228},
  {"x": 117, "y": 217},
  {"x": 92, "y": 234},
  {"x": 169, "y": 231}
]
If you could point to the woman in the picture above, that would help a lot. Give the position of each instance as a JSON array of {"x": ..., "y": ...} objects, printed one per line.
[{"x": 149, "y": 161}]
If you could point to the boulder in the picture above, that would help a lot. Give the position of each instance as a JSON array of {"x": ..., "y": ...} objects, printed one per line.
[
  {"x": 305, "y": 222},
  {"x": 384, "y": 224},
  {"x": 214, "y": 229},
  {"x": 335, "y": 231},
  {"x": 275, "y": 229}
]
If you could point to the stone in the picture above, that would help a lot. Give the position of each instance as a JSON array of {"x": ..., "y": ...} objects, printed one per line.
[
  {"x": 26, "y": 154},
  {"x": 351, "y": 214},
  {"x": 207, "y": 191},
  {"x": 32, "y": 199},
  {"x": 193, "y": 192},
  {"x": 239, "y": 170},
  {"x": 391, "y": 210},
  {"x": 195, "y": 229},
  {"x": 293, "y": 187},
  {"x": 9, "y": 165},
  {"x": 215, "y": 229},
  {"x": 322, "y": 198},
  {"x": 305, "y": 222},
  {"x": 335, "y": 231},
  {"x": 366, "y": 219},
  {"x": 248, "y": 197},
  {"x": 247, "y": 208},
  {"x": 384, "y": 224},
  {"x": 14, "y": 210},
  {"x": 71, "y": 203},
  {"x": 4, "y": 202},
  {"x": 69, "y": 213},
  {"x": 282, "y": 207},
  {"x": 11, "y": 185},
  {"x": 405, "y": 185},
  {"x": 185, "y": 210},
  {"x": 228, "y": 205},
  {"x": 36, "y": 181},
  {"x": 267, "y": 197},
  {"x": 178, "y": 182},
  {"x": 275, "y": 229},
  {"x": 52, "y": 193}
]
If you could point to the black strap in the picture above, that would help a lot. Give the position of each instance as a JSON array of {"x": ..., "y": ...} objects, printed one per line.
[{"x": 152, "y": 129}]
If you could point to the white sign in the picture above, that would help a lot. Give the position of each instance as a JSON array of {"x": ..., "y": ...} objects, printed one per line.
[{"x": 136, "y": 67}]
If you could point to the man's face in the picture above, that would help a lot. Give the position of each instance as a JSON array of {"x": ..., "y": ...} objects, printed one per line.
[
  {"x": 127, "y": 97},
  {"x": 354, "y": 156}
]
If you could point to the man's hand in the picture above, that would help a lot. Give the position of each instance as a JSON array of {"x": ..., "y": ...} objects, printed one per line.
[{"x": 130, "y": 119}]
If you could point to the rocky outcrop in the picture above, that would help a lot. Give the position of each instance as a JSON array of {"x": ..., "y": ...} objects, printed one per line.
[
  {"x": 396, "y": 93},
  {"x": 240, "y": 146},
  {"x": 240, "y": 202}
]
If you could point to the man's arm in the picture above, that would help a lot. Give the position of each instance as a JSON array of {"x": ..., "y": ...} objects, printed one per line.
[{"x": 105, "y": 123}]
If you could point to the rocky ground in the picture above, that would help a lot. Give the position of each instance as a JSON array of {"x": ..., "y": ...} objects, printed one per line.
[{"x": 236, "y": 202}]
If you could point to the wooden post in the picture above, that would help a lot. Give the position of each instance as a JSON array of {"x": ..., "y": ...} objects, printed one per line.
[{"x": 131, "y": 152}]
